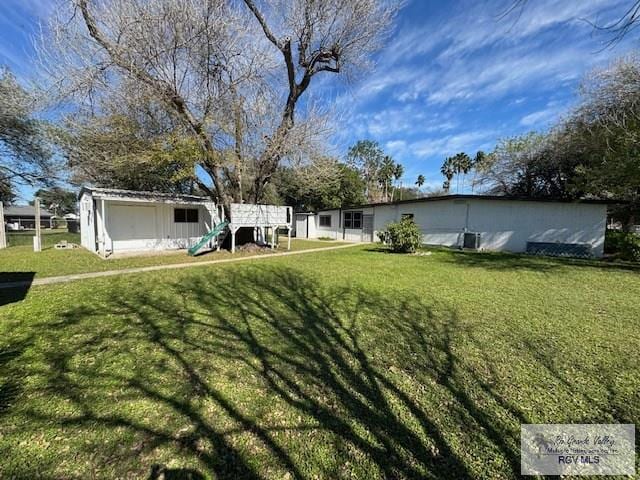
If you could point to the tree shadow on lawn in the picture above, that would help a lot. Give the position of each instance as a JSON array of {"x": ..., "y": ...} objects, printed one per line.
[
  {"x": 17, "y": 293},
  {"x": 539, "y": 263},
  {"x": 265, "y": 372},
  {"x": 517, "y": 261},
  {"x": 11, "y": 373}
]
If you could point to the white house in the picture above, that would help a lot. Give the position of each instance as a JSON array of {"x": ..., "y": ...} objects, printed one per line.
[
  {"x": 478, "y": 221},
  {"x": 115, "y": 221}
]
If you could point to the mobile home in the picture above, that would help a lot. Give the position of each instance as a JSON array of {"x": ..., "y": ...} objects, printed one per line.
[{"x": 482, "y": 222}]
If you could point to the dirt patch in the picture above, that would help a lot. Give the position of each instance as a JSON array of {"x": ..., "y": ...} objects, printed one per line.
[{"x": 253, "y": 248}]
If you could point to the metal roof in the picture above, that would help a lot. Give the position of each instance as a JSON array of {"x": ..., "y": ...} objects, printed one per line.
[
  {"x": 24, "y": 211},
  {"x": 479, "y": 197},
  {"x": 132, "y": 194}
]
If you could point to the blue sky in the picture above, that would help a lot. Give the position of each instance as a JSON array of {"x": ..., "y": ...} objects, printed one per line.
[
  {"x": 454, "y": 76},
  {"x": 457, "y": 77}
]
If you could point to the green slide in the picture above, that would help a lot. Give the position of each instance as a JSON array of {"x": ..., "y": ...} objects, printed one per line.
[{"x": 217, "y": 230}]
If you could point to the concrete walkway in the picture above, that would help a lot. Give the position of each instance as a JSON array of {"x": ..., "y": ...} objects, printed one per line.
[{"x": 153, "y": 268}]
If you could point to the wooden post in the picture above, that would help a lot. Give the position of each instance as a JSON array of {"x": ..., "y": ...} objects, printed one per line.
[
  {"x": 233, "y": 240},
  {"x": 3, "y": 235},
  {"x": 103, "y": 227},
  {"x": 289, "y": 238},
  {"x": 37, "y": 241},
  {"x": 273, "y": 237}
]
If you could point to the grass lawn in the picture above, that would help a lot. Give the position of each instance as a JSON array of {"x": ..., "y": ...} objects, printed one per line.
[
  {"x": 49, "y": 238},
  {"x": 352, "y": 363},
  {"x": 18, "y": 260}
]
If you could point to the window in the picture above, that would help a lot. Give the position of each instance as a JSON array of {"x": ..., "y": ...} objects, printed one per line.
[
  {"x": 185, "y": 215},
  {"x": 353, "y": 220},
  {"x": 406, "y": 216},
  {"x": 325, "y": 220}
]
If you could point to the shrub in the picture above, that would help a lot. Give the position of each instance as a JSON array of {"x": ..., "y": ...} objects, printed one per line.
[
  {"x": 403, "y": 237},
  {"x": 623, "y": 244}
]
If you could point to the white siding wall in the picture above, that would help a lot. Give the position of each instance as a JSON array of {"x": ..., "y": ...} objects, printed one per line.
[
  {"x": 313, "y": 226},
  {"x": 141, "y": 226},
  {"x": 103, "y": 240},
  {"x": 301, "y": 225},
  {"x": 503, "y": 225},
  {"x": 442, "y": 223},
  {"x": 87, "y": 223},
  {"x": 336, "y": 231},
  {"x": 181, "y": 235},
  {"x": 355, "y": 234},
  {"x": 510, "y": 225},
  {"x": 332, "y": 232}
]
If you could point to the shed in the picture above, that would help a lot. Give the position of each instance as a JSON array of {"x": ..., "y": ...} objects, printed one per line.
[{"x": 115, "y": 221}]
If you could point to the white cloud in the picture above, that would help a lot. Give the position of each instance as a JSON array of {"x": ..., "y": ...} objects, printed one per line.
[
  {"x": 484, "y": 25},
  {"x": 395, "y": 145},
  {"x": 541, "y": 117},
  {"x": 490, "y": 56},
  {"x": 451, "y": 144},
  {"x": 412, "y": 119}
]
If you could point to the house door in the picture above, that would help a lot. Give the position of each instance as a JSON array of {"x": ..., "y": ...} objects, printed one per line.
[{"x": 367, "y": 228}]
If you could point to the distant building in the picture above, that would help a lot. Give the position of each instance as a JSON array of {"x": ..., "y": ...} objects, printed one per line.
[{"x": 23, "y": 217}]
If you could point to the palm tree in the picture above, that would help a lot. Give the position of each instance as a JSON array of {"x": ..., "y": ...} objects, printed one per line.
[
  {"x": 464, "y": 166},
  {"x": 479, "y": 163},
  {"x": 448, "y": 171},
  {"x": 455, "y": 167},
  {"x": 420, "y": 181},
  {"x": 386, "y": 174},
  {"x": 398, "y": 171}
]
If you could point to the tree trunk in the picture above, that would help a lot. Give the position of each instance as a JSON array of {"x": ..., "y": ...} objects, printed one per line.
[{"x": 169, "y": 95}]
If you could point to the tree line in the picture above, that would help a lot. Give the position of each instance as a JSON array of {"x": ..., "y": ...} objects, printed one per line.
[
  {"x": 367, "y": 174},
  {"x": 459, "y": 165}
]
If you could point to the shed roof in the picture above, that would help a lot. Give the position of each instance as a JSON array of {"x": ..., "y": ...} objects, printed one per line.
[
  {"x": 25, "y": 211},
  {"x": 118, "y": 194}
]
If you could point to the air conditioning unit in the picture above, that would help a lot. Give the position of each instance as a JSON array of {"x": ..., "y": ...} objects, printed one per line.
[{"x": 471, "y": 240}]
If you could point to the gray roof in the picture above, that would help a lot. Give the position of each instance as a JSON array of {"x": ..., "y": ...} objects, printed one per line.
[
  {"x": 114, "y": 192},
  {"x": 24, "y": 211},
  {"x": 460, "y": 196}
]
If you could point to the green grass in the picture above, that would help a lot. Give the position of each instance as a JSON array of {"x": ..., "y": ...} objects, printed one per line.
[
  {"x": 15, "y": 262},
  {"x": 49, "y": 238},
  {"x": 352, "y": 363}
]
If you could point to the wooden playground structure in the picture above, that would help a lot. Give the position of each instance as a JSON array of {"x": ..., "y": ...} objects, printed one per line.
[{"x": 265, "y": 220}]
